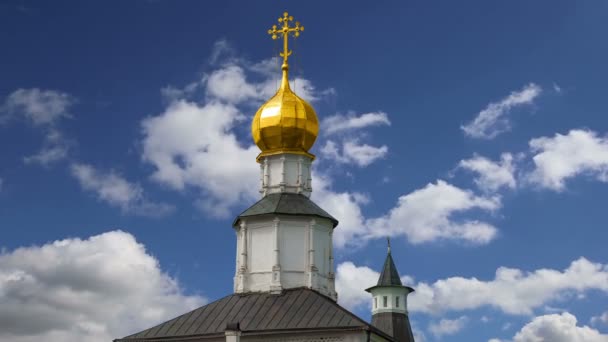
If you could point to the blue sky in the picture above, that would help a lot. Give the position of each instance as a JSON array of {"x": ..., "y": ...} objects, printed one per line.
[{"x": 474, "y": 133}]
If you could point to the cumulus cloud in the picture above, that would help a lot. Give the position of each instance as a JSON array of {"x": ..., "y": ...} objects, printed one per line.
[
  {"x": 194, "y": 145},
  {"x": 558, "y": 158},
  {"x": 491, "y": 176},
  {"x": 229, "y": 84},
  {"x": 353, "y": 152},
  {"x": 493, "y": 120},
  {"x": 96, "y": 289},
  {"x": 345, "y": 206},
  {"x": 40, "y": 107},
  {"x": 351, "y": 282},
  {"x": 424, "y": 215},
  {"x": 448, "y": 326},
  {"x": 340, "y": 123},
  {"x": 512, "y": 291},
  {"x": 427, "y": 214},
  {"x": 117, "y": 191},
  {"x": 558, "y": 328}
]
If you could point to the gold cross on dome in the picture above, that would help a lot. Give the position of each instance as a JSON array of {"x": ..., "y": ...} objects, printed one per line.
[{"x": 284, "y": 32}]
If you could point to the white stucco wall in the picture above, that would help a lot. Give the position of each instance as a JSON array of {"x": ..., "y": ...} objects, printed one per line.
[
  {"x": 391, "y": 293},
  {"x": 286, "y": 173},
  {"x": 280, "y": 252}
]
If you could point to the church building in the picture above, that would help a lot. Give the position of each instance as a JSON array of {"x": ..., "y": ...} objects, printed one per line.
[{"x": 284, "y": 282}]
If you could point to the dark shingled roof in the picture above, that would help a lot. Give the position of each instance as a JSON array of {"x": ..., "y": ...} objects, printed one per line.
[
  {"x": 394, "y": 324},
  {"x": 293, "y": 310},
  {"x": 389, "y": 275},
  {"x": 285, "y": 204}
]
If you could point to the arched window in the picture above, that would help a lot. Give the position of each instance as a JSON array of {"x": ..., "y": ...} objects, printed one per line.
[
  {"x": 397, "y": 301},
  {"x": 385, "y": 301},
  {"x": 375, "y": 302}
]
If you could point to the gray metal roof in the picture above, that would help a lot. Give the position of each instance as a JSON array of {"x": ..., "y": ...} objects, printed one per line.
[
  {"x": 285, "y": 204},
  {"x": 292, "y": 310}
]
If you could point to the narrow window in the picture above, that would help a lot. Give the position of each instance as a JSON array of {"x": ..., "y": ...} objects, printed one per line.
[
  {"x": 397, "y": 301},
  {"x": 375, "y": 302},
  {"x": 385, "y": 300}
]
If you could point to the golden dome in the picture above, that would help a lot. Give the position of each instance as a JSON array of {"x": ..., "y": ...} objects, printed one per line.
[{"x": 286, "y": 123}]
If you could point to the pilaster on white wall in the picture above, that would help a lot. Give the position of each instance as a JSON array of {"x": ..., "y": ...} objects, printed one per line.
[
  {"x": 232, "y": 335},
  {"x": 282, "y": 252},
  {"x": 276, "y": 267},
  {"x": 241, "y": 266},
  {"x": 286, "y": 172}
]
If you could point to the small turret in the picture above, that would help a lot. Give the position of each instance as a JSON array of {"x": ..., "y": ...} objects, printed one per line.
[{"x": 389, "y": 306}]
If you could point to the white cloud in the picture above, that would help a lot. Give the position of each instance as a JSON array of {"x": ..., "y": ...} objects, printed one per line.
[
  {"x": 339, "y": 123},
  {"x": 448, "y": 326},
  {"x": 222, "y": 50},
  {"x": 512, "y": 290},
  {"x": 351, "y": 282},
  {"x": 561, "y": 157},
  {"x": 344, "y": 206},
  {"x": 493, "y": 120},
  {"x": 558, "y": 328},
  {"x": 94, "y": 290},
  {"x": 229, "y": 84},
  {"x": 353, "y": 152},
  {"x": 193, "y": 145},
  {"x": 557, "y": 88},
  {"x": 117, "y": 191},
  {"x": 603, "y": 318},
  {"x": 426, "y": 215},
  {"x": 54, "y": 149},
  {"x": 47, "y": 155},
  {"x": 41, "y": 107},
  {"x": 491, "y": 175}
]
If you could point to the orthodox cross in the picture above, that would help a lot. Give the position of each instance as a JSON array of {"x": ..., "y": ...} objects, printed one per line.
[
  {"x": 388, "y": 243},
  {"x": 284, "y": 32}
]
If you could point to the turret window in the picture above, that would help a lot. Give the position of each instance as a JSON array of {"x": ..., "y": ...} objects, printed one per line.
[
  {"x": 397, "y": 301},
  {"x": 385, "y": 301},
  {"x": 375, "y": 302}
]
